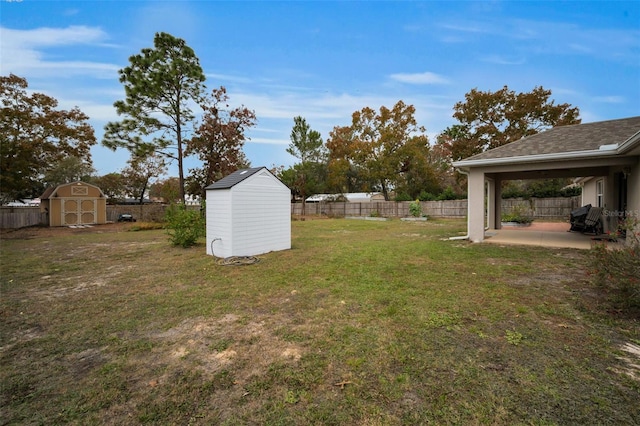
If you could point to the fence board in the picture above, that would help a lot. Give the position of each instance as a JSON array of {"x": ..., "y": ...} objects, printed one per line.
[
  {"x": 539, "y": 208},
  {"x": 21, "y": 217}
]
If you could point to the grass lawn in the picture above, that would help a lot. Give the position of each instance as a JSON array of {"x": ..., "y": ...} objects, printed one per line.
[{"x": 360, "y": 323}]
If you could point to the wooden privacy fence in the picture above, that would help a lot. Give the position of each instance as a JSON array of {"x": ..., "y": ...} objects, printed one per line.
[
  {"x": 538, "y": 208},
  {"x": 450, "y": 208},
  {"x": 543, "y": 208},
  {"x": 20, "y": 217}
]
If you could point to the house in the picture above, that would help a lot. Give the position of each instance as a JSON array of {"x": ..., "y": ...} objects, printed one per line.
[
  {"x": 77, "y": 203},
  {"x": 248, "y": 212},
  {"x": 607, "y": 153},
  {"x": 351, "y": 197}
]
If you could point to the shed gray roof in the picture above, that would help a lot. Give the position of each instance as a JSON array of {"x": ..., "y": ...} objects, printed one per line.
[
  {"x": 566, "y": 139},
  {"x": 234, "y": 178}
]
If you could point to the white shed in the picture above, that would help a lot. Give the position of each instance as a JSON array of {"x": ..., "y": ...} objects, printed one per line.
[{"x": 248, "y": 213}]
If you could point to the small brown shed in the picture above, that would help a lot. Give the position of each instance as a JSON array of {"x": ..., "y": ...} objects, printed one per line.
[{"x": 76, "y": 203}]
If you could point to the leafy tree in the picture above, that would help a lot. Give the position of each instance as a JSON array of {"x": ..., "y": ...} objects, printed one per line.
[
  {"x": 140, "y": 171},
  {"x": 386, "y": 148},
  {"x": 67, "y": 170},
  {"x": 167, "y": 189},
  {"x": 443, "y": 153},
  {"x": 416, "y": 172},
  {"x": 307, "y": 146},
  {"x": 305, "y": 180},
  {"x": 343, "y": 174},
  {"x": 160, "y": 85},
  {"x": 492, "y": 119},
  {"x": 218, "y": 141},
  {"x": 539, "y": 188},
  {"x": 112, "y": 185},
  {"x": 35, "y": 136},
  {"x": 306, "y": 143}
]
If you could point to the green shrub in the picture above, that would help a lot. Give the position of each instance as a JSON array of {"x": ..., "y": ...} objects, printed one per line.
[
  {"x": 184, "y": 226},
  {"x": 617, "y": 269},
  {"x": 427, "y": 196},
  {"x": 518, "y": 214},
  {"x": 415, "y": 208},
  {"x": 403, "y": 196},
  {"x": 448, "y": 194}
]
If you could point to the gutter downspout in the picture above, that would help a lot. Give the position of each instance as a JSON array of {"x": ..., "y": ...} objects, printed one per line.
[{"x": 464, "y": 237}]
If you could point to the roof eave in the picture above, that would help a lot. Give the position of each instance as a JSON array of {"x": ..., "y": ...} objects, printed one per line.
[
  {"x": 538, "y": 158},
  {"x": 629, "y": 144}
]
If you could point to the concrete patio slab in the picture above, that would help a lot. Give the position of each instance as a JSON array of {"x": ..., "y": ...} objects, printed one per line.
[{"x": 549, "y": 234}]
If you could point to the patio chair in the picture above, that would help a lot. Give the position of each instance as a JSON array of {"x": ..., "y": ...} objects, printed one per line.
[
  {"x": 578, "y": 217},
  {"x": 593, "y": 221}
]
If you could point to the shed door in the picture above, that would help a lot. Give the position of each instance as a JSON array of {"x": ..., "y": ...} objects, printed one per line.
[{"x": 79, "y": 211}]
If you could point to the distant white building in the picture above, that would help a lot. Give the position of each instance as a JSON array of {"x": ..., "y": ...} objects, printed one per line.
[
  {"x": 24, "y": 203},
  {"x": 352, "y": 197}
]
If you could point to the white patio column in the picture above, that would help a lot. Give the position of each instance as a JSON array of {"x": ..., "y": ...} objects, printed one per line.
[{"x": 475, "y": 205}]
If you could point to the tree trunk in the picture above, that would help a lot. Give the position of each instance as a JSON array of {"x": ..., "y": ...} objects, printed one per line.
[{"x": 180, "y": 169}]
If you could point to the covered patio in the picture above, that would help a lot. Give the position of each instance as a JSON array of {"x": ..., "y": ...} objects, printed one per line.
[
  {"x": 544, "y": 234},
  {"x": 607, "y": 150}
]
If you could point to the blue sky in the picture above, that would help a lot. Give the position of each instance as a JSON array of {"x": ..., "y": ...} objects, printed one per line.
[{"x": 324, "y": 60}]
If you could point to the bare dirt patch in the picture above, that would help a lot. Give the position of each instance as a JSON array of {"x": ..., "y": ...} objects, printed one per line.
[
  {"x": 56, "y": 231},
  {"x": 631, "y": 361},
  {"x": 231, "y": 341}
]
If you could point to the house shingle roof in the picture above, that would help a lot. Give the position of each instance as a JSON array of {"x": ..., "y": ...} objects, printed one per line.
[
  {"x": 564, "y": 139},
  {"x": 234, "y": 178}
]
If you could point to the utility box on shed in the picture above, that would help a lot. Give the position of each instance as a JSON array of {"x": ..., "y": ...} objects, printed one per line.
[{"x": 248, "y": 213}]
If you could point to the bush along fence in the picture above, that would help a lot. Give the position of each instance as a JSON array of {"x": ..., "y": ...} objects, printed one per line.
[{"x": 537, "y": 208}]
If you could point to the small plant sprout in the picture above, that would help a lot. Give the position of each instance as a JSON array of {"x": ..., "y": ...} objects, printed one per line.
[{"x": 513, "y": 337}]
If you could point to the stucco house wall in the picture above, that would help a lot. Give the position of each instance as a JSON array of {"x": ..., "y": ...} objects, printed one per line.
[
  {"x": 589, "y": 192},
  {"x": 633, "y": 197}
]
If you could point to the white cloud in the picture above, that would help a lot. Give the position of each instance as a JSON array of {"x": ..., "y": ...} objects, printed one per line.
[
  {"x": 270, "y": 141},
  {"x": 609, "y": 99},
  {"x": 502, "y": 60},
  {"x": 419, "y": 78},
  {"x": 24, "y": 52},
  {"x": 547, "y": 37},
  {"x": 98, "y": 113},
  {"x": 42, "y": 37},
  {"x": 229, "y": 78}
]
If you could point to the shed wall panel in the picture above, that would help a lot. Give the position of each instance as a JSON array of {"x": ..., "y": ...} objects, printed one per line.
[
  {"x": 268, "y": 228},
  {"x": 218, "y": 219}
]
